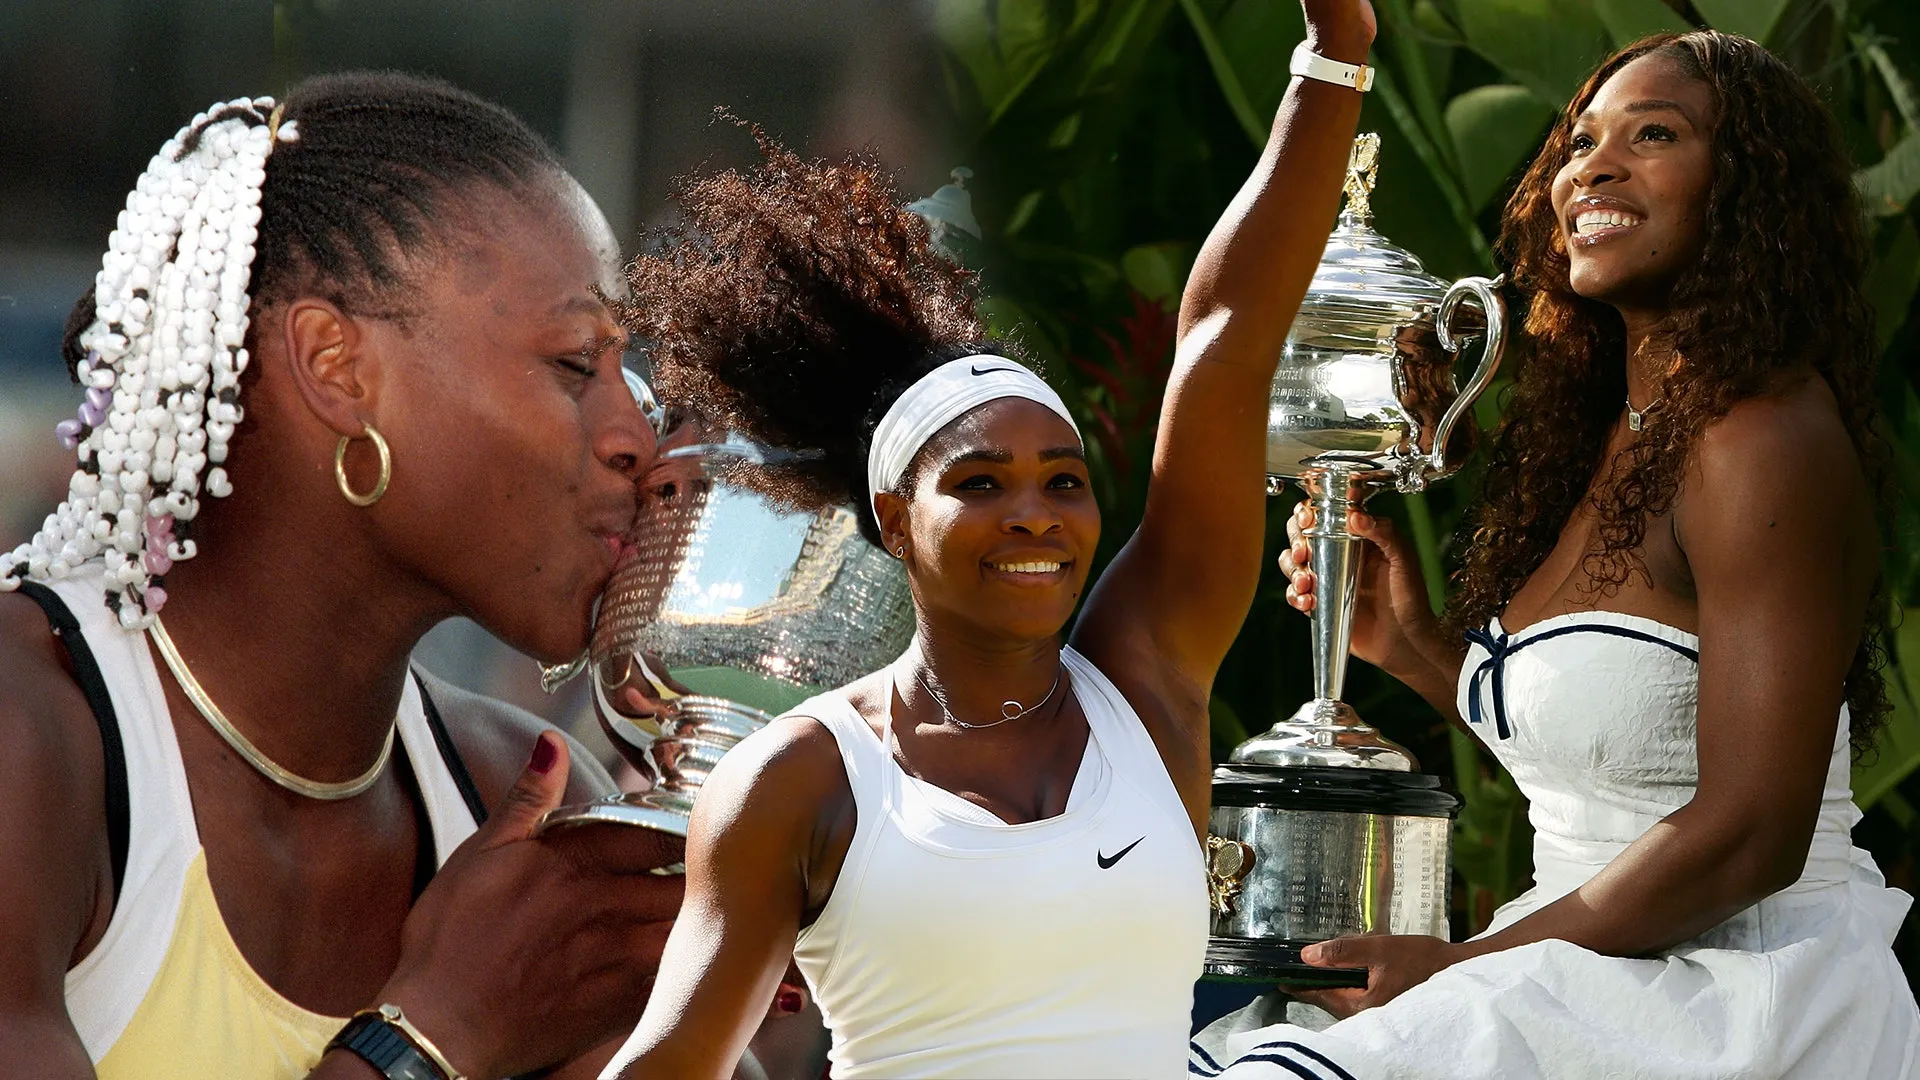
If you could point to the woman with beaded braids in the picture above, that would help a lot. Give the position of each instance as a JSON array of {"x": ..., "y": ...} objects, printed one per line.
[
  {"x": 984, "y": 858},
  {"x": 347, "y": 374},
  {"x": 1666, "y": 622}
]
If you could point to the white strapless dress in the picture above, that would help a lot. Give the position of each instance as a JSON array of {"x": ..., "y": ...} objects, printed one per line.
[{"x": 1593, "y": 714}]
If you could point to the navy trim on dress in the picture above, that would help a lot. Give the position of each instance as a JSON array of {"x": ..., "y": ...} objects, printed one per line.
[
  {"x": 86, "y": 672},
  {"x": 1279, "y": 1052},
  {"x": 1499, "y": 647}
]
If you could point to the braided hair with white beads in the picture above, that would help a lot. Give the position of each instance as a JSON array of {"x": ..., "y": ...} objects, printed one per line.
[{"x": 250, "y": 204}]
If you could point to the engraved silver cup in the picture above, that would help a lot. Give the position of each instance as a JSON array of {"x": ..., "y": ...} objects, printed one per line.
[
  {"x": 1321, "y": 827},
  {"x": 729, "y": 610}
]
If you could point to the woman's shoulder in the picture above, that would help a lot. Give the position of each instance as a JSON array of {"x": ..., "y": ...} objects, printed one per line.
[
  {"x": 1794, "y": 428},
  {"x": 495, "y": 740},
  {"x": 1784, "y": 458},
  {"x": 52, "y": 782},
  {"x": 45, "y": 717}
]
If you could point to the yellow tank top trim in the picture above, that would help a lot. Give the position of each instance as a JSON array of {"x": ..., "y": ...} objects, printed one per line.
[{"x": 208, "y": 1013}]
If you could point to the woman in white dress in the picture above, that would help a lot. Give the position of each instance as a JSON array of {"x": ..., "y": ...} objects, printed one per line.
[
  {"x": 984, "y": 858},
  {"x": 1670, "y": 613}
]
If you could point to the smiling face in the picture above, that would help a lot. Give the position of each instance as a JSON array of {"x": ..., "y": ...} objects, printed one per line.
[
  {"x": 1001, "y": 526},
  {"x": 1632, "y": 197},
  {"x": 516, "y": 441}
]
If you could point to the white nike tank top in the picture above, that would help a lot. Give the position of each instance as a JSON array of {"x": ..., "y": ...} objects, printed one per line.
[{"x": 956, "y": 945}]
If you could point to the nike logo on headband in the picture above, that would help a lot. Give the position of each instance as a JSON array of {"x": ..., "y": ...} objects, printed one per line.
[{"x": 978, "y": 370}]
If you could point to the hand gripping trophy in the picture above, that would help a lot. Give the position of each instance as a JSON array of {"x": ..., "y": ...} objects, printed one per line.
[{"x": 1321, "y": 827}]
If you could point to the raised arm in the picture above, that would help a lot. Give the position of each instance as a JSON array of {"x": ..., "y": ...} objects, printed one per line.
[
  {"x": 756, "y": 829},
  {"x": 1186, "y": 578}
]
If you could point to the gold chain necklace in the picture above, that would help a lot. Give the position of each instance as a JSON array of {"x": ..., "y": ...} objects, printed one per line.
[{"x": 267, "y": 767}]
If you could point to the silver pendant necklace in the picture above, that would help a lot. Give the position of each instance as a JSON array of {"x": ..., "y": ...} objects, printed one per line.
[
  {"x": 1637, "y": 418},
  {"x": 1009, "y": 710}
]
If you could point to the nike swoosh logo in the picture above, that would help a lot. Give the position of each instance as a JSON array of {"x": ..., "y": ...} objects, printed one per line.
[
  {"x": 978, "y": 370},
  {"x": 1106, "y": 862}
]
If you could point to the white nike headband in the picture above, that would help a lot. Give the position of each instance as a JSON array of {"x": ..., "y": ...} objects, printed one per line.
[{"x": 942, "y": 396}]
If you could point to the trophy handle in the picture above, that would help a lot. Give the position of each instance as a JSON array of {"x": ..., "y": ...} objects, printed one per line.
[{"x": 1485, "y": 291}]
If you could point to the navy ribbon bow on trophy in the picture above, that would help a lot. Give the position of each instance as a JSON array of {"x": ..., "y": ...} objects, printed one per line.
[{"x": 1499, "y": 646}]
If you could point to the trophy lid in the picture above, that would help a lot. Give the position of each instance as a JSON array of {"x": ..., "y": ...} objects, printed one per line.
[{"x": 1362, "y": 274}]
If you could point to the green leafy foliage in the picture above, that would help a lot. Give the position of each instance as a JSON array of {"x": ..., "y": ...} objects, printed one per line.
[
  {"x": 1495, "y": 128},
  {"x": 1753, "y": 18},
  {"x": 1628, "y": 21},
  {"x": 1546, "y": 45}
]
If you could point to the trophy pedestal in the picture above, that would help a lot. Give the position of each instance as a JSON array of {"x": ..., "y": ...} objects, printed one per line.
[
  {"x": 1304, "y": 853},
  {"x": 1242, "y": 960}
]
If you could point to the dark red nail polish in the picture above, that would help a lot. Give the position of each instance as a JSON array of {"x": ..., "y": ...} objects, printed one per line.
[
  {"x": 544, "y": 755},
  {"x": 788, "y": 1002}
]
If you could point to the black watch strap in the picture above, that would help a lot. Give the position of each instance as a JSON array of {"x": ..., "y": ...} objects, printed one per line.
[{"x": 385, "y": 1047}]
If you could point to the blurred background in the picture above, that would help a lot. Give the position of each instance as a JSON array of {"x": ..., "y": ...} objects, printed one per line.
[{"x": 1104, "y": 137}]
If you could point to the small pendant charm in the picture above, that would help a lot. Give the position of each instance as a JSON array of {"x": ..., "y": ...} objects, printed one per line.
[{"x": 1634, "y": 420}]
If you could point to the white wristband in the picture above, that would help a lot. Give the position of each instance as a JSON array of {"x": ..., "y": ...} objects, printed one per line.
[{"x": 1312, "y": 65}]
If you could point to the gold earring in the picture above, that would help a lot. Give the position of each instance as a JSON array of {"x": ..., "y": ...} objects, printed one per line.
[{"x": 386, "y": 468}]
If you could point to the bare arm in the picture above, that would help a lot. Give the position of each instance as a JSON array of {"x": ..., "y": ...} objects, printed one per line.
[
  {"x": 755, "y": 830},
  {"x": 57, "y": 890},
  {"x": 1774, "y": 480},
  {"x": 1185, "y": 580}
]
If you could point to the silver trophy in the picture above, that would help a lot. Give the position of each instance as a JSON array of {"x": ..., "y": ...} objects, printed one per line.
[
  {"x": 729, "y": 610},
  {"x": 1320, "y": 826}
]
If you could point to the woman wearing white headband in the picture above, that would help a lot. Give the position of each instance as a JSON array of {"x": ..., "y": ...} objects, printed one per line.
[
  {"x": 985, "y": 858},
  {"x": 346, "y": 376}
]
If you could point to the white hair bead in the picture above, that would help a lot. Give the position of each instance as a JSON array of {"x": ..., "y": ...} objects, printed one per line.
[{"x": 171, "y": 312}]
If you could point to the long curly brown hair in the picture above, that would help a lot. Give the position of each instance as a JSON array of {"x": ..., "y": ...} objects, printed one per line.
[
  {"x": 795, "y": 302},
  {"x": 1778, "y": 287}
]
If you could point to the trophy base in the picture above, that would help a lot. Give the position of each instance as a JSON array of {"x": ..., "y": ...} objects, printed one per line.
[
  {"x": 1274, "y": 961},
  {"x": 661, "y": 811}
]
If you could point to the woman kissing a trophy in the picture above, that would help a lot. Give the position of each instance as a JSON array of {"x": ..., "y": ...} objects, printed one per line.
[{"x": 1665, "y": 626}]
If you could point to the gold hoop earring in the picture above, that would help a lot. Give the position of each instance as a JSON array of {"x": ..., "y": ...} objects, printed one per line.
[{"x": 340, "y": 468}]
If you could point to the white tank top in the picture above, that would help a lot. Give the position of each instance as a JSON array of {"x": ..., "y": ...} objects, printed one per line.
[
  {"x": 166, "y": 993},
  {"x": 956, "y": 945}
]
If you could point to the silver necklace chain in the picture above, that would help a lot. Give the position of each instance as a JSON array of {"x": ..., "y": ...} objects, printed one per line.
[{"x": 1009, "y": 710}]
